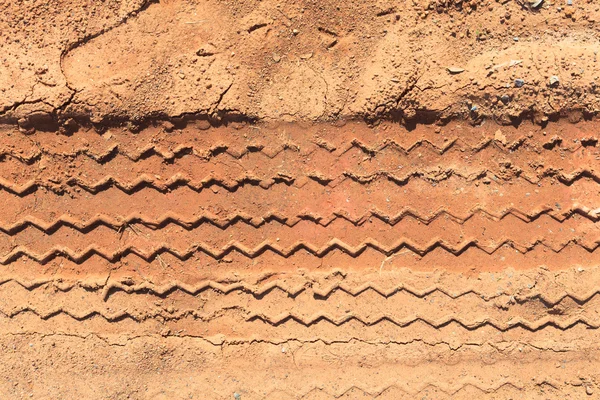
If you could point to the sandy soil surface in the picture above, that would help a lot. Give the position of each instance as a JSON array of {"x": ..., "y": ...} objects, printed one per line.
[
  {"x": 306, "y": 60},
  {"x": 299, "y": 200}
]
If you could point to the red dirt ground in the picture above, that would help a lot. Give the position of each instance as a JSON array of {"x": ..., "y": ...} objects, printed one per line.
[{"x": 299, "y": 200}]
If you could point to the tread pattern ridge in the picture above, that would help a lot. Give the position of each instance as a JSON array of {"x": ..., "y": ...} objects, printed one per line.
[
  {"x": 322, "y": 291},
  {"x": 232, "y": 184},
  {"x": 268, "y": 245},
  {"x": 237, "y": 152},
  {"x": 290, "y": 221}
]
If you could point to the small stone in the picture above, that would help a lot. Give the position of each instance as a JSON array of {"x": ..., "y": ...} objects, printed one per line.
[
  {"x": 474, "y": 108},
  {"x": 237, "y": 396},
  {"x": 24, "y": 123},
  {"x": 70, "y": 125},
  {"x": 41, "y": 70},
  {"x": 519, "y": 83},
  {"x": 168, "y": 126},
  {"x": 569, "y": 2},
  {"x": 505, "y": 98},
  {"x": 554, "y": 81},
  {"x": 203, "y": 125},
  {"x": 276, "y": 58},
  {"x": 295, "y": 32},
  {"x": 588, "y": 390},
  {"x": 455, "y": 70},
  {"x": 500, "y": 137},
  {"x": 207, "y": 50}
]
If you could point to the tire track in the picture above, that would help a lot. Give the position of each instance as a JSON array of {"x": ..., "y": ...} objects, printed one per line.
[{"x": 443, "y": 252}]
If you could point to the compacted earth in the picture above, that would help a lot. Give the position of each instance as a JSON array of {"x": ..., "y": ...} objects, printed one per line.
[{"x": 218, "y": 199}]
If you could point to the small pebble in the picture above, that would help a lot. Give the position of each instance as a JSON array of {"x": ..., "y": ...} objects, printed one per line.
[
  {"x": 554, "y": 81},
  {"x": 519, "y": 83},
  {"x": 168, "y": 126},
  {"x": 500, "y": 137},
  {"x": 237, "y": 396},
  {"x": 455, "y": 70}
]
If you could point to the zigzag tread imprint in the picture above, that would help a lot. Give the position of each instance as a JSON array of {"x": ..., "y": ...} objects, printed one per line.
[{"x": 466, "y": 258}]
